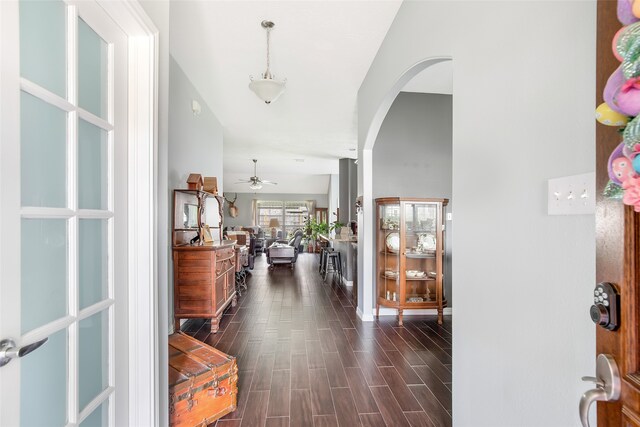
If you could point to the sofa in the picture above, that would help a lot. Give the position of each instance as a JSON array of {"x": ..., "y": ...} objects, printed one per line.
[{"x": 284, "y": 252}]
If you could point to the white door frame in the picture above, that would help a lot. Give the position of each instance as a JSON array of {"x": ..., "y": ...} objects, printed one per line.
[
  {"x": 142, "y": 337},
  {"x": 142, "y": 302}
]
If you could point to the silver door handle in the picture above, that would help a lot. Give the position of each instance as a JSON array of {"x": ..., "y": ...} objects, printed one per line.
[
  {"x": 9, "y": 351},
  {"x": 607, "y": 381}
]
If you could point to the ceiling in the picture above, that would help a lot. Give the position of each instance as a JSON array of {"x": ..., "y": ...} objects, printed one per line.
[{"x": 324, "y": 50}]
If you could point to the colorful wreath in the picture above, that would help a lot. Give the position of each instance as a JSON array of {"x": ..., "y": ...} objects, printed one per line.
[{"x": 621, "y": 108}]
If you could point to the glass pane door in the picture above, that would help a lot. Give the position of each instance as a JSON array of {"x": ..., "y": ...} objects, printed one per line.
[
  {"x": 388, "y": 257},
  {"x": 67, "y": 212},
  {"x": 421, "y": 243}
]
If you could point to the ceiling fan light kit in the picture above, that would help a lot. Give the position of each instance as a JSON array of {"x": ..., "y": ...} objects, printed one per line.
[
  {"x": 267, "y": 87},
  {"x": 255, "y": 183}
]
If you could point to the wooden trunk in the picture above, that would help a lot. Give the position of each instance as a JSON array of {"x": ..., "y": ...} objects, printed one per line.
[{"x": 202, "y": 382}]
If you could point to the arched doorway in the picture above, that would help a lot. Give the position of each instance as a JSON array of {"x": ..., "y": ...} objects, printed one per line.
[{"x": 366, "y": 244}]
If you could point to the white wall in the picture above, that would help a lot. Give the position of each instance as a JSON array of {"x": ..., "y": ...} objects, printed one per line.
[
  {"x": 195, "y": 142},
  {"x": 158, "y": 11},
  {"x": 412, "y": 157},
  {"x": 524, "y": 79}
]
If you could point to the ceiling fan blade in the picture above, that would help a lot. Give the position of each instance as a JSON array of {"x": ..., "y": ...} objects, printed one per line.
[
  {"x": 268, "y": 183},
  {"x": 243, "y": 181}
]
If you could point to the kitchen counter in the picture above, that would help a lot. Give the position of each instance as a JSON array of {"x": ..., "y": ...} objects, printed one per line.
[{"x": 347, "y": 246}]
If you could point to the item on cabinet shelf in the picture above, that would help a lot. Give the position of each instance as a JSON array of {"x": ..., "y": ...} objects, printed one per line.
[
  {"x": 393, "y": 242},
  {"x": 418, "y": 267},
  {"x": 391, "y": 274},
  {"x": 211, "y": 185},
  {"x": 389, "y": 224},
  {"x": 426, "y": 242},
  {"x": 203, "y": 382},
  {"x": 195, "y": 182},
  {"x": 415, "y": 274}
]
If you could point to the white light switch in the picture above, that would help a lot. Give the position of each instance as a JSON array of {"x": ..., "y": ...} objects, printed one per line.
[
  {"x": 449, "y": 215},
  {"x": 572, "y": 195}
]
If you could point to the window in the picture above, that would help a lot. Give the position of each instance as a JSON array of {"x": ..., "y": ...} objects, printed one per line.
[{"x": 291, "y": 215}]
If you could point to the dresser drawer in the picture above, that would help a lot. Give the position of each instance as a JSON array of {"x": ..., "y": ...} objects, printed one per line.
[
  {"x": 224, "y": 265},
  {"x": 194, "y": 305},
  {"x": 225, "y": 253}
]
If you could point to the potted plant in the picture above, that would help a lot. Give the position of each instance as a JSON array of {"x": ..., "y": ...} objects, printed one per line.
[
  {"x": 313, "y": 228},
  {"x": 336, "y": 226}
]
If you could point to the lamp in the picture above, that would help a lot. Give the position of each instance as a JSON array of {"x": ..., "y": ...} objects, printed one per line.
[
  {"x": 255, "y": 185},
  {"x": 267, "y": 88},
  {"x": 274, "y": 223}
]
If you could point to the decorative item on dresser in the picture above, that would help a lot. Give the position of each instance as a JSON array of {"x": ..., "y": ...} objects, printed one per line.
[
  {"x": 203, "y": 382},
  {"x": 195, "y": 182},
  {"x": 211, "y": 185},
  {"x": 410, "y": 248},
  {"x": 203, "y": 272}
]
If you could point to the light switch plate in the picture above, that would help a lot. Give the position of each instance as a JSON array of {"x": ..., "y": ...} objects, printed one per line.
[{"x": 572, "y": 195}]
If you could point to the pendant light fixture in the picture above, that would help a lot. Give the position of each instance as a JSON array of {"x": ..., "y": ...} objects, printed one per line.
[{"x": 267, "y": 87}]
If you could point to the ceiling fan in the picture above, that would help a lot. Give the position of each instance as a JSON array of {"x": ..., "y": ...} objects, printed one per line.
[{"x": 254, "y": 182}]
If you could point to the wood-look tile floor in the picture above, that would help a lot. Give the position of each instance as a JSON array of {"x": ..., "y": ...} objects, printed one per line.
[{"x": 306, "y": 359}]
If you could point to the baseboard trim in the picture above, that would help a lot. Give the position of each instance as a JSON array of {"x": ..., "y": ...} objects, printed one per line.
[
  {"x": 347, "y": 283},
  {"x": 385, "y": 311},
  {"x": 364, "y": 317}
]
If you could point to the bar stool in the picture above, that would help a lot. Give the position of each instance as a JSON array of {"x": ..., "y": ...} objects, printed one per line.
[
  {"x": 333, "y": 260},
  {"x": 323, "y": 254}
]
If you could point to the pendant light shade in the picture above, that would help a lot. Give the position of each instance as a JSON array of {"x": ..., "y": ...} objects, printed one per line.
[{"x": 267, "y": 87}]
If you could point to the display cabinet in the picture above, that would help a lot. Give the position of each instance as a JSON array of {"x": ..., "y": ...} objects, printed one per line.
[{"x": 410, "y": 254}]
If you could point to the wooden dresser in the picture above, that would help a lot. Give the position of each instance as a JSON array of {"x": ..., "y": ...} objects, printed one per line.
[{"x": 204, "y": 281}]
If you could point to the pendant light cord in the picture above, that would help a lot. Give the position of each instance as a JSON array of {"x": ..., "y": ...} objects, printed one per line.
[{"x": 267, "y": 74}]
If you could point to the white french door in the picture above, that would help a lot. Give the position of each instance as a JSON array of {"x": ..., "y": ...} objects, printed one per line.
[{"x": 63, "y": 217}]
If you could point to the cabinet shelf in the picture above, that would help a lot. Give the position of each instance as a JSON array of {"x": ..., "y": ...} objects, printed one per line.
[
  {"x": 421, "y": 221},
  {"x": 420, "y": 256}
]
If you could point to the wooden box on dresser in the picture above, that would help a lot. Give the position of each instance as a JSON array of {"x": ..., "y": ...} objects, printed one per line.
[{"x": 204, "y": 281}]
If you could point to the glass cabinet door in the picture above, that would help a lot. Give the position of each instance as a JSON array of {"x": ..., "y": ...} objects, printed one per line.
[
  {"x": 389, "y": 252},
  {"x": 421, "y": 248}
]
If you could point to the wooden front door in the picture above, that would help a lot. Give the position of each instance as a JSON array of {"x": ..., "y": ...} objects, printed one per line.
[{"x": 617, "y": 249}]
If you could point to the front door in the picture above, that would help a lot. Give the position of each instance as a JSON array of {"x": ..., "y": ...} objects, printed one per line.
[
  {"x": 618, "y": 251},
  {"x": 63, "y": 217}
]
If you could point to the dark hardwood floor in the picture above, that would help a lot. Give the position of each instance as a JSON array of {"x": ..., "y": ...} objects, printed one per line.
[{"x": 306, "y": 359}]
